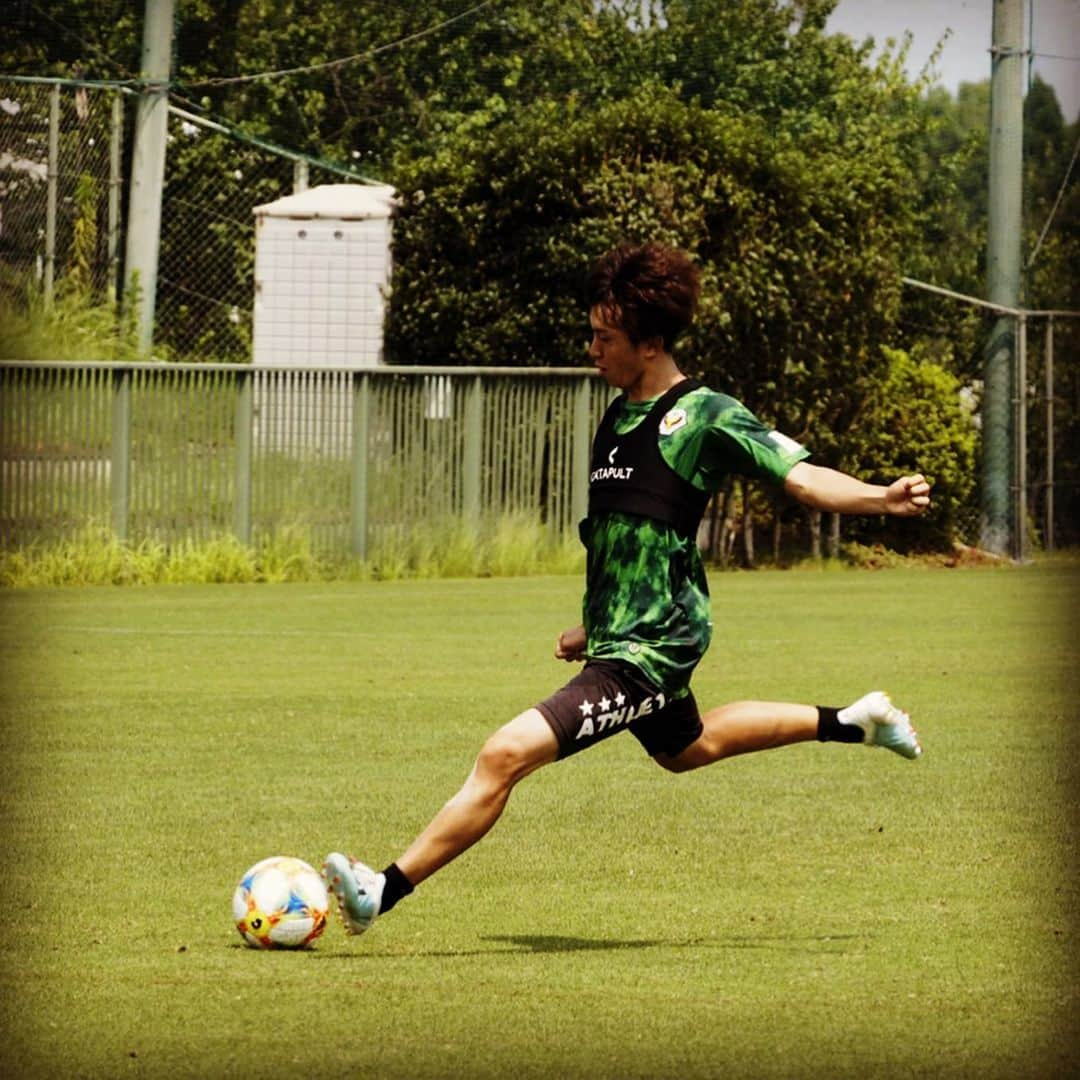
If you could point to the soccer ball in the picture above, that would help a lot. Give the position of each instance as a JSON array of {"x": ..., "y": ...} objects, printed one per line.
[{"x": 280, "y": 903}]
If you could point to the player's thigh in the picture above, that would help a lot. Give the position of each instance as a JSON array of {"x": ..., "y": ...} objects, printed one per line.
[{"x": 519, "y": 747}]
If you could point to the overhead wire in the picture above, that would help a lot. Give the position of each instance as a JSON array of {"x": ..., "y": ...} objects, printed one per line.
[
  {"x": 1057, "y": 203},
  {"x": 342, "y": 61}
]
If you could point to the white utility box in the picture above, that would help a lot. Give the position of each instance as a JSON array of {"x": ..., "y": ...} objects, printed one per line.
[{"x": 322, "y": 269}]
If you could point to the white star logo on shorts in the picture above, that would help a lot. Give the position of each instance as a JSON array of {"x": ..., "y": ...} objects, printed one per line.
[
  {"x": 586, "y": 708},
  {"x": 604, "y": 704},
  {"x": 620, "y": 700}
]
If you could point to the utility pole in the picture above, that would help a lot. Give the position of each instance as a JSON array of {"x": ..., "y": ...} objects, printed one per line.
[
  {"x": 1001, "y": 530},
  {"x": 148, "y": 169}
]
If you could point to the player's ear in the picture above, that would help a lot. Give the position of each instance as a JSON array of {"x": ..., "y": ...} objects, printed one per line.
[{"x": 653, "y": 346}]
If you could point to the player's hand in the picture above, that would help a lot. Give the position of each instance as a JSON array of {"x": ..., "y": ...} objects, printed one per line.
[
  {"x": 908, "y": 496},
  {"x": 571, "y": 644}
]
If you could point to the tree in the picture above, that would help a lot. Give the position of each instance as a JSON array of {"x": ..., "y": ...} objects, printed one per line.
[
  {"x": 916, "y": 417},
  {"x": 794, "y": 195}
]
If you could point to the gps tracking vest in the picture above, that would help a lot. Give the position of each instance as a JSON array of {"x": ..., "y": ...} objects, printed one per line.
[{"x": 629, "y": 475}]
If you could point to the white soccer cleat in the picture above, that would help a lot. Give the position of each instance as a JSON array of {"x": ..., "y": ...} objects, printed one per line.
[
  {"x": 358, "y": 890},
  {"x": 883, "y": 724}
]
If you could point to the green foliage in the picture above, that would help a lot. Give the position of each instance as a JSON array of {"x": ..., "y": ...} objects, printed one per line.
[
  {"x": 84, "y": 238},
  {"x": 74, "y": 328},
  {"x": 1052, "y": 255},
  {"x": 800, "y": 247},
  {"x": 96, "y": 557},
  {"x": 914, "y": 419},
  {"x": 508, "y": 546},
  {"x": 950, "y": 161}
]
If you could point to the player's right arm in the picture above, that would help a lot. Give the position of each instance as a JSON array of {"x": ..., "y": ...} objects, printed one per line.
[
  {"x": 828, "y": 489},
  {"x": 571, "y": 644}
]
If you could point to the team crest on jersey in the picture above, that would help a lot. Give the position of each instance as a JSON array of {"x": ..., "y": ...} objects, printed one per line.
[{"x": 673, "y": 420}]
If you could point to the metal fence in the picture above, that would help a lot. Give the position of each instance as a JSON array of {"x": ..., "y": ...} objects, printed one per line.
[
  {"x": 1026, "y": 482},
  {"x": 355, "y": 459},
  {"x": 60, "y": 152},
  {"x": 64, "y": 198}
]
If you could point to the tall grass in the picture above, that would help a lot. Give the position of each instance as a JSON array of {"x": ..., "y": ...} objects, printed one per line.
[
  {"x": 74, "y": 328},
  {"x": 508, "y": 546}
]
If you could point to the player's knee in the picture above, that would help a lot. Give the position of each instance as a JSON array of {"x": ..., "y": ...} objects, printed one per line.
[
  {"x": 673, "y": 764},
  {"x": 506, "y": 757},
  {"x": 706, "y": 749}
]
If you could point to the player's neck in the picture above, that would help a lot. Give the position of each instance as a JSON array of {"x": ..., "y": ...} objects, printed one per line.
[{"x": 655, "y": 379}]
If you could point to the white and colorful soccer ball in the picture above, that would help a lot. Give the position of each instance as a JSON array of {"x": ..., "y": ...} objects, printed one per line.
[{"x": 280, "y": 903}]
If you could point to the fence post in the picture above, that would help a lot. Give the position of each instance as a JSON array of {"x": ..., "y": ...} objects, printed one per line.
[
  {"x": 120, "y": 465},
  {"x": 245, "y": 412},
  {"x": 1020, "y": 452},
  {"x": 116, "y": 138},
  {"x": 472, "y": 455},
  {"x": 299, "y": 176},
  {"x": 1048, "y": 538},
  {"x": 579, "y": 480},
  {"x": 52, "y": 183},
  {"x": 358, "y": 493}
]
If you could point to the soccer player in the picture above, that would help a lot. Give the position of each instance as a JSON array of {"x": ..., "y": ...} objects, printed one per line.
[{"x": 664, "y": 445}]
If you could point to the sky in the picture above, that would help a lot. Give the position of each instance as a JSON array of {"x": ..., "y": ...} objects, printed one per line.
[{"x": 1054, "y": 25}]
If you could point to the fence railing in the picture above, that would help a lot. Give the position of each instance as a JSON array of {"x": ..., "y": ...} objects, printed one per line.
[{"x": 174, "y": 452}]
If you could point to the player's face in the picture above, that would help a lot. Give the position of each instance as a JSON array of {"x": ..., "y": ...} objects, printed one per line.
[{"x": 621, "y": 362}]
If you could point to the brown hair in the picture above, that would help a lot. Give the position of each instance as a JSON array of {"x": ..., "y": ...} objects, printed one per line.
[{"x": 648, "y": 291}]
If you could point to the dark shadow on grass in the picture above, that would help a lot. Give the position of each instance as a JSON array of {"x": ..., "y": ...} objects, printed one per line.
[
  {"x": 554, "y": 943},
  {"x": 516, "y": 944},
  {"x": 557, "y": 943}
]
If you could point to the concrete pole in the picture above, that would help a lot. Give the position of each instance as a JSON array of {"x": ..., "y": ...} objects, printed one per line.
[
  {"x": 1000, "y": 531},
  {"x": 148, "y": 169}
]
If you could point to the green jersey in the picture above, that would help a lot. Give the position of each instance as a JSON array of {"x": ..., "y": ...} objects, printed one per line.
[{"x": 646, "y": 597}]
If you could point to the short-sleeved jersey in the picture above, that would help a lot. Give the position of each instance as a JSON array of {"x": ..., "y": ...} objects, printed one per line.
[{"x": 646, "y": 596}]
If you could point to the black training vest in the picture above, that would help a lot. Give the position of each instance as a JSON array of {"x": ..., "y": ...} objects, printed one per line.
[{"x": 629, "y": 475}]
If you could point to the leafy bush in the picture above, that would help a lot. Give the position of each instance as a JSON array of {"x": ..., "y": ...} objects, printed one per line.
[{"x": 915, "y": 420}]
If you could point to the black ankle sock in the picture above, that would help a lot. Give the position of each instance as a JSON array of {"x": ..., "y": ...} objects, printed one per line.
[
  {"x": 397, "y": 887},
  {"x": 830, "y": 729}
]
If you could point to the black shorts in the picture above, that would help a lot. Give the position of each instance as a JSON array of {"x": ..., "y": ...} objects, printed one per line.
[{"x": 607, "y": 697}]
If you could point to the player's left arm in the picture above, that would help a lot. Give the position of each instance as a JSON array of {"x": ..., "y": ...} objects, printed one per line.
[{"x": 836, "y": 492}]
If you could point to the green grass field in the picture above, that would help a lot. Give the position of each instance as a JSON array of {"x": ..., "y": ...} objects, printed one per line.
[{"x": 812, "y": 911}]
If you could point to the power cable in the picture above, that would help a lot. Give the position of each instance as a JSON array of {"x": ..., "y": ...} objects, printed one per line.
[
  {"x": 1057, "y": 203},
  {"x": 345, "y": 59}
]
